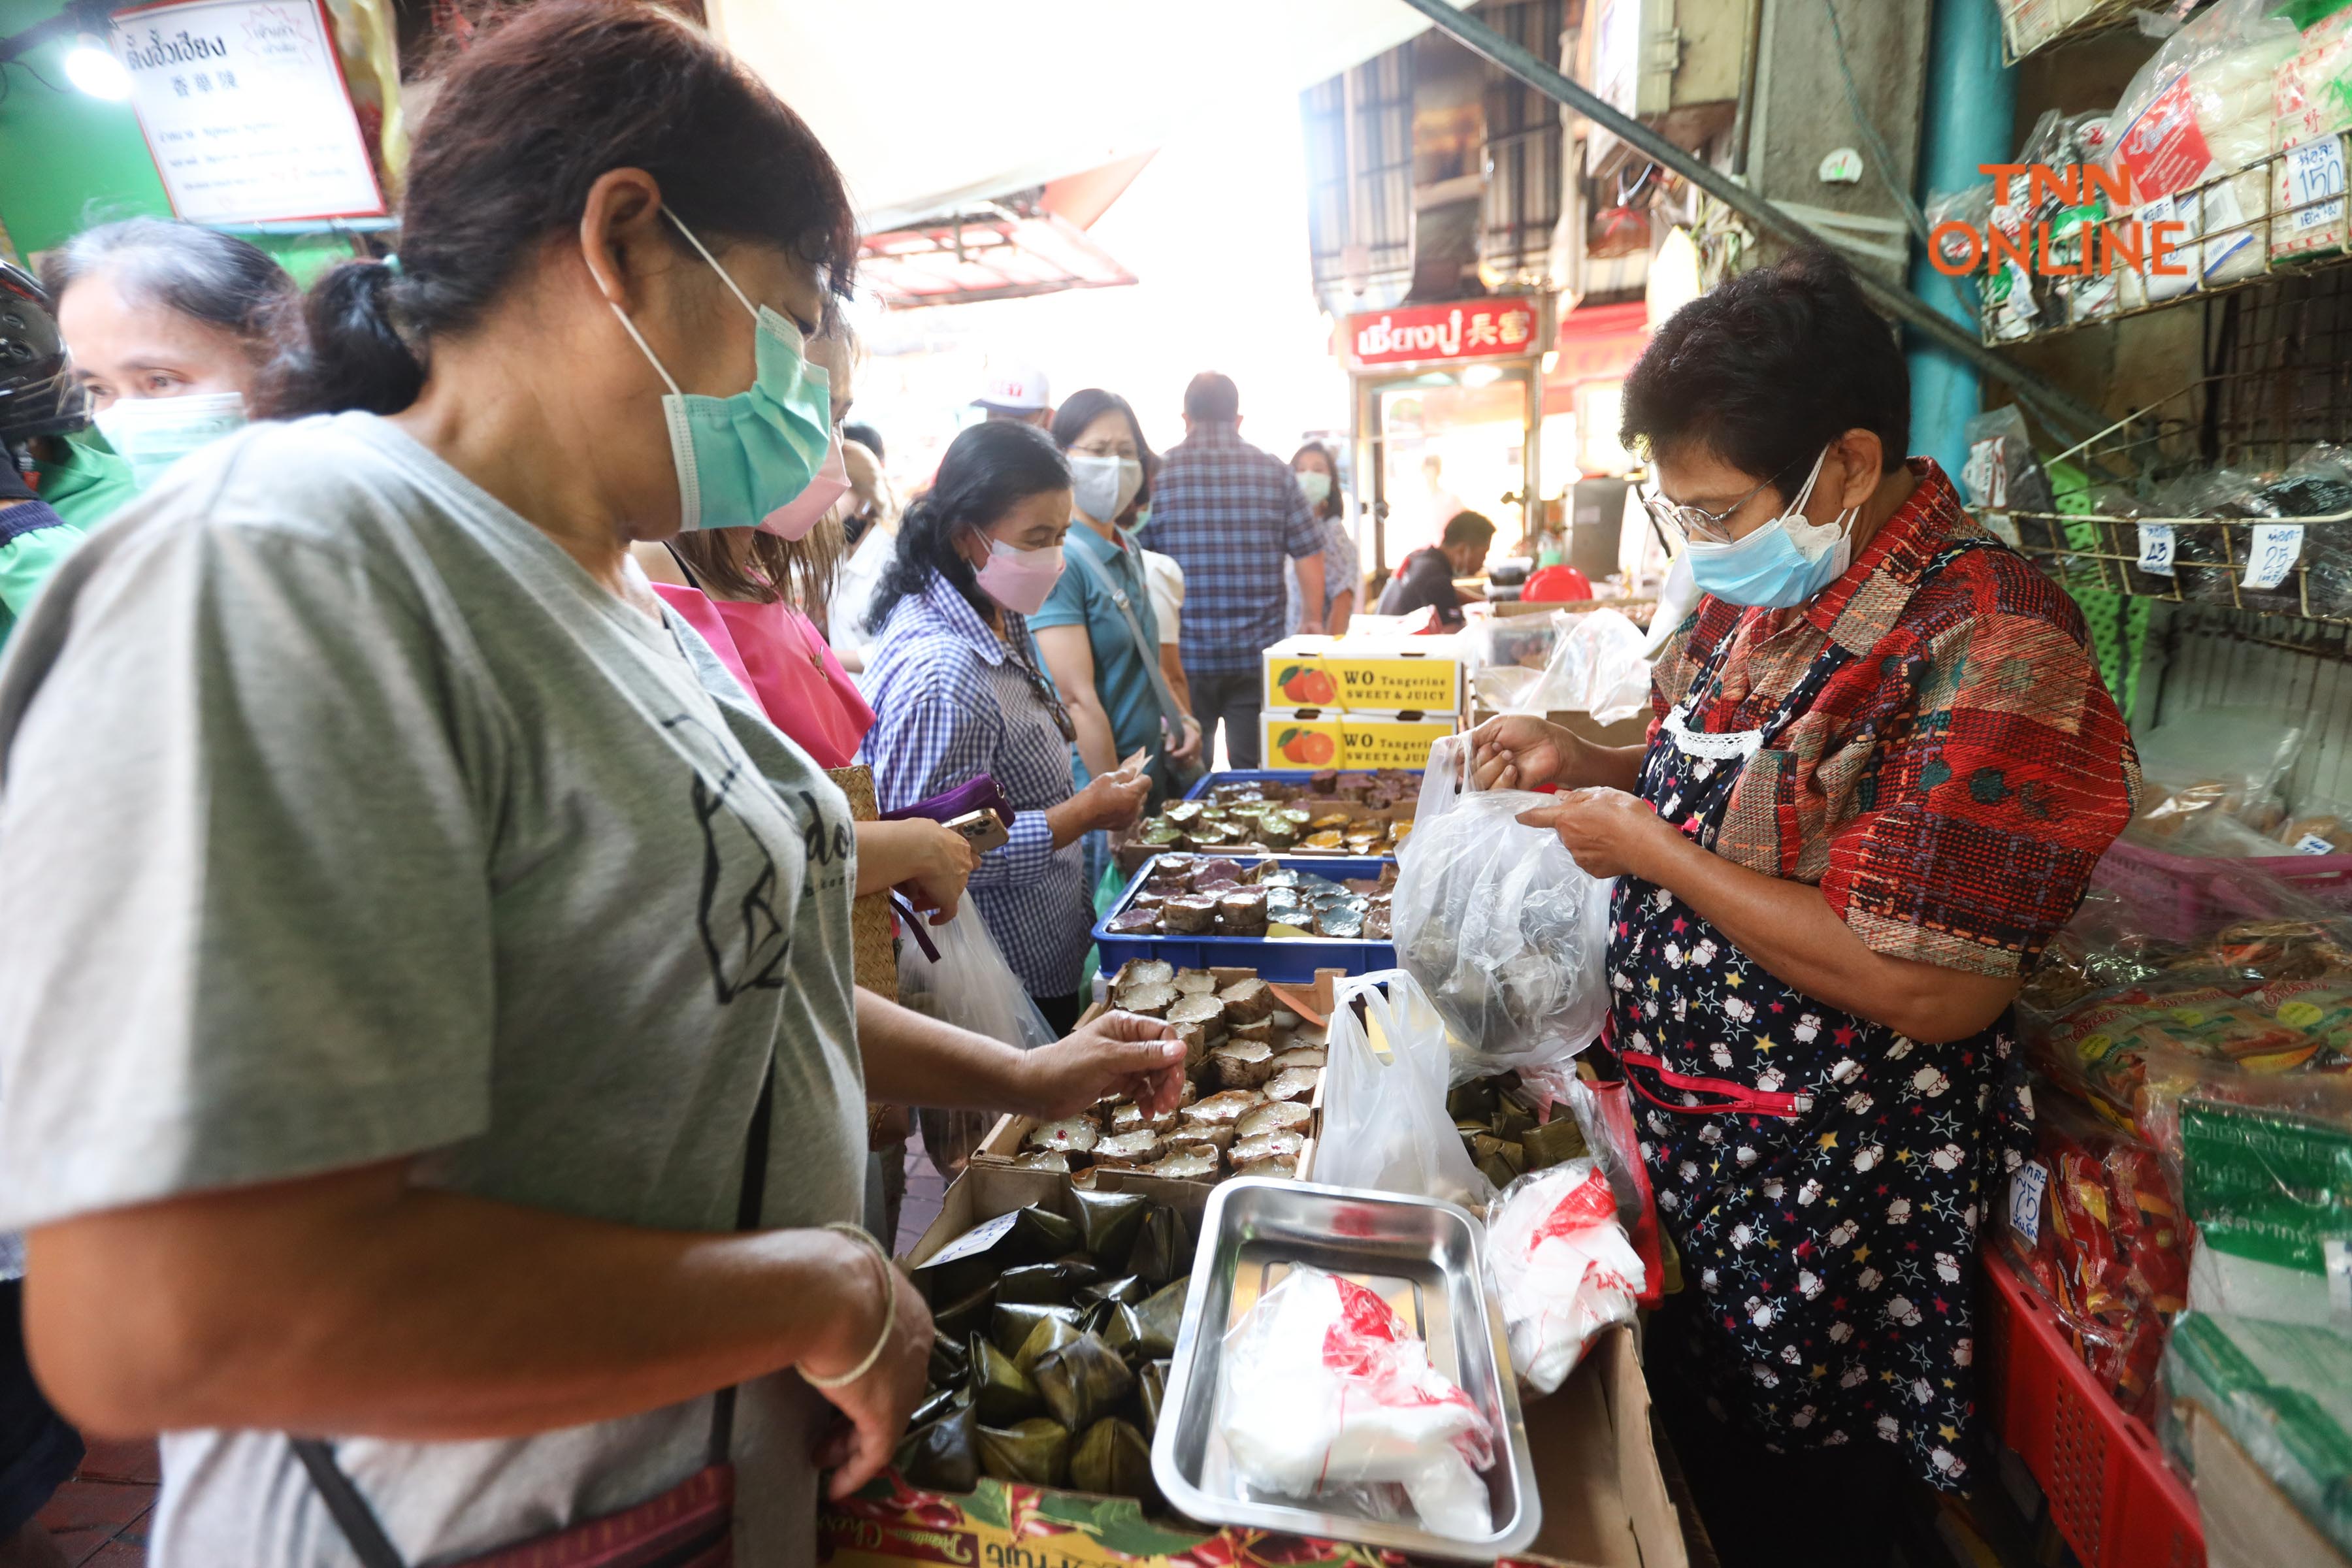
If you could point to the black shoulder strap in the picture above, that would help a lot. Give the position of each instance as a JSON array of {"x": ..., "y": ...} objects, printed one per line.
[{"x": 358, "y": 1521}]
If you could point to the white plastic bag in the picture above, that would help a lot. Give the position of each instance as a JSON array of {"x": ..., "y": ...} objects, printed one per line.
[
  {"x": 1385, "y": 1126},
  {"x": 973, "y": 988},
  {"x": 1563, "y": 1267},
  {"x": 1502, "y": 929},
  {"x": 853, "y": 595},
  {"x": 1324, "y": 1387},
  {"x": 1598, "y": 666}
]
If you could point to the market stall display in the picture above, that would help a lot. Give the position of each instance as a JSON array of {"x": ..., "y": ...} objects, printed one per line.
[
  {"x": 1253, "y": 1077},
  {"x": 1283, "y": 916},
  {"x": 1329, "y": 813}
]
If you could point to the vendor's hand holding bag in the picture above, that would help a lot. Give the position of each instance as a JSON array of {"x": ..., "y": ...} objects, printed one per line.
[
  {"x": 971, "y": 986},
  {"x": 1502, "y": 929}
]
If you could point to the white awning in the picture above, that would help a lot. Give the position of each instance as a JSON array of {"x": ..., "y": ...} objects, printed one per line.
[{"x": 928, "y": 103}]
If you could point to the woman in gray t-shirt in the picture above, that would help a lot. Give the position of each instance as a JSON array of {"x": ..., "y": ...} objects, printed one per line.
[{"x": 411, "y": 922}]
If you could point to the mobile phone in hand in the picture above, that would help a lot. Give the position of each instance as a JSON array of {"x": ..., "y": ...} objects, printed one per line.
[{"x": 983, "y": 829}]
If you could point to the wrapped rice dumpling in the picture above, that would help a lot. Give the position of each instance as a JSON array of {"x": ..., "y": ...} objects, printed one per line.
[
  {"x": 1160, "y": 1316},
  {"x": 1128, "y": 1289},
  {"x": 1083, "y": 1381},
  {"x": 1108, "y": 1223},
  {"x": 967, "y": 1315},
  {"x": 1030, "y": 1235},
  {"x": 1046, "y": 1284},
  {"x": 1113, "y": 1459},
  {"x": 948, "y": 1362},
  {"x": 938, "y": 1403},
  {"x": 1001, "y": 1391},
  {"x": 943, "y": 1456},
  {"x": 1012, "y": 1323},
  {"x": 1152, "y": 1392},
  {"x": 1050, "y": 1333},
  {"x": 1036, "y": 1451},
  {"x": 1163, "y": 1247}
]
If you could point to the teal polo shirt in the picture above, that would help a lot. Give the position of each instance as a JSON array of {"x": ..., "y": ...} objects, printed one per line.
[{"x": 1122, "y": 681}]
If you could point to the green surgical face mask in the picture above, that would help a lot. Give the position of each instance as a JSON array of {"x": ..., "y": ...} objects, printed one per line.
[
  {"x": 151, "y": 434},
  {"x": 741, "y": 457}
]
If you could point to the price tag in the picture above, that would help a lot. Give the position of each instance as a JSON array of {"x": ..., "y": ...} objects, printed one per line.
[
  {"x": 2025, "y": 1201},
  {"x": 2315, "y": 173},
  {"x": 2277, "y": 547},
  {"x": 2312, "y": 844},
  {"x": 2156, "y": 548}
]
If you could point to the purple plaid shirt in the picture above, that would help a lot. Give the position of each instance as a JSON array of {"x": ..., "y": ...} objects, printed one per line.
[
  {"x": 1230, "y": 515},
  {"x": 951, "y": 703}
]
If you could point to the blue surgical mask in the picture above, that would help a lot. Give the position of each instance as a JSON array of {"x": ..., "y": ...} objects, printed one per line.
[
  {"x": 741, "y": 457},
  {"x": 1783, "y": 563}
]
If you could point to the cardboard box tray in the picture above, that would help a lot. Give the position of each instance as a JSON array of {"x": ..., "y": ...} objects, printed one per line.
[{"x": 1605, "y": 1498}]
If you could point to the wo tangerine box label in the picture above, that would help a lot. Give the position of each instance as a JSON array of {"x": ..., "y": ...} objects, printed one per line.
[
  {"x": 1392, "y": 675},
  {"x": 1323, "y": 739}
]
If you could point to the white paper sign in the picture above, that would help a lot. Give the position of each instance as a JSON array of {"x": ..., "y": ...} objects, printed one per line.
[
  {"x": 244, "y": 109},
  {"x": 2025, "y": 1200},
  {"x": 2315, "y": 172},
  {"x": 2312, "y": 844},
  {"x": 2276, "y": 548},
  {"x": 2156, "y": 548}
]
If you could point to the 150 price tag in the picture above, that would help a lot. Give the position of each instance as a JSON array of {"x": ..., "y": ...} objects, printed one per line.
[
  {"x": 2156, "y": 548},
  {"x": 2276, "y": 548},
  {"x": 2315, "y": 173}
]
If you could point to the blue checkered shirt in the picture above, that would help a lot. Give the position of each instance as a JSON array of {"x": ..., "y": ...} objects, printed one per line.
[
  {"x": 1230, "y": 515},
  {"x": 951, "y": 703}
]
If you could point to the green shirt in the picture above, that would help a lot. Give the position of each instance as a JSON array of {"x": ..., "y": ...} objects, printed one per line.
[
  {"x": 1122, "y": 681},
  {"x": 87, "y": 484}
]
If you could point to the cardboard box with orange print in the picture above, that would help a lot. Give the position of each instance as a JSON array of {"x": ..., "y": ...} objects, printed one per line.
[
  {"x": 1333, "y": 738},
  {"x": 1368, "y": 675}
]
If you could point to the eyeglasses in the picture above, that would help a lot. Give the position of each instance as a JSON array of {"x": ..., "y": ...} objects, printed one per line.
[{"x": 1705, "y": 527}]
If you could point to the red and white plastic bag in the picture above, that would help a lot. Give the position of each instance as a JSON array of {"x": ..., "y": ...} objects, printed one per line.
[
  {"x": 1327, "y": 1391},
  {"x": 1563, "y": 1267}
]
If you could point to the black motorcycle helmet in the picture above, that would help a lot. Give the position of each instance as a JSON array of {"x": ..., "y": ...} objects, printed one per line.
[{"x": 37, "y": 396}]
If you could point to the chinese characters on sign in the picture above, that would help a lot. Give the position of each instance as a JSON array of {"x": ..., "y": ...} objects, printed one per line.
[
  {"x": 245, "y": 110},
  {"x": 1470, "y": 329}
]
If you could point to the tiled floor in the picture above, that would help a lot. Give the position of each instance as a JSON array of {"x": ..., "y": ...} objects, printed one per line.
[{"x": 100, "y": 1517}]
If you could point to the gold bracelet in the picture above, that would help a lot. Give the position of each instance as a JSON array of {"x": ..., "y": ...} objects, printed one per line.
[{"x": 889, "y": 1312}]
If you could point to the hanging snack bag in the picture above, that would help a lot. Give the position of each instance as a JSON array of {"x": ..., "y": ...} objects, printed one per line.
[{"x": 2195, "y": 131}]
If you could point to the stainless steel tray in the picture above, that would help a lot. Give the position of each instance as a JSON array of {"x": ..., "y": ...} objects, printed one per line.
[{"x": 1426, "y": 1258}]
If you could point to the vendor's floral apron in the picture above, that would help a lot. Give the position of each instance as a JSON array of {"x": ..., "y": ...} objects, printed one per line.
[{"x": 1822, "y": 1175}]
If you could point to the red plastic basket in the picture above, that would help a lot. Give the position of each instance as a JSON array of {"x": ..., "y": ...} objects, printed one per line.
[{"x": 2111, "y": 1494}]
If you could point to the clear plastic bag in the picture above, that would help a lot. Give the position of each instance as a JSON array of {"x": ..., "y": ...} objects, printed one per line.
[
  {"x": 2215, "y": 770},
  {"x": 973, "y": 988},
  {"x": 1385, "y": 1126},
  {"x": 1502, "y": 929},
  {"x": 1564, "y": 1269},
  {"x": 1324, "y": 1387},
  {"x": 1596, "y": 667}
]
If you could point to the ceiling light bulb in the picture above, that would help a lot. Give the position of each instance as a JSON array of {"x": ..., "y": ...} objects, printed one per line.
[{"x": 97, "y": 73}]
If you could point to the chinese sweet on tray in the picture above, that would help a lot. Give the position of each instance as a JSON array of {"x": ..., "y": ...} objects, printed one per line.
[{"x": 1193, "y": 895}]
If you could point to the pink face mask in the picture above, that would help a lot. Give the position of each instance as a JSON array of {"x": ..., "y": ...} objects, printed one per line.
[
  {"x": 1020, "y": 579},
  {"x": 803, "y": 512}
]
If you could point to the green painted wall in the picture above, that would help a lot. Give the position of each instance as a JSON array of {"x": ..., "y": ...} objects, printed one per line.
[{"x": 68, "y": 159}]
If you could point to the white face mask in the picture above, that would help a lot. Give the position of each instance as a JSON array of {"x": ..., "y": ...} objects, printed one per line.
[
  {"x": 1102, "y": 485},
  {"x": 151, "y": 434},
  {"x": 1317, "y": 486}
]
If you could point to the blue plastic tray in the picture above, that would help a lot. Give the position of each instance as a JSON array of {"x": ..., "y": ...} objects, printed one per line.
[
  {"x": 1207, "y": 782},
  {"x": 1289, "y": 959}
]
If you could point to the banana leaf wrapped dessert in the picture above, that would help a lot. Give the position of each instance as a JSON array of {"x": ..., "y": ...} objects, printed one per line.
[
  {"x": 1082, "y": 1380},
  {"x": 1036, "y": 1451},
  {"x": 1114, "y": 1459}
]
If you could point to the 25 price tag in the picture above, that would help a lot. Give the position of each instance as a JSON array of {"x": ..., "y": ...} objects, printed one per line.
[
  {"x": 2156, "y": 548},
  {"x": 2025, "y": 1200},
  {"x": 2276, "y": 548}
]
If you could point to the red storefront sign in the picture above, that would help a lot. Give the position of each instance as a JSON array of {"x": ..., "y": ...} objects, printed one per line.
[
  {"x": 1597, "y": 342},
  {"x": 1465, "y": 329}
]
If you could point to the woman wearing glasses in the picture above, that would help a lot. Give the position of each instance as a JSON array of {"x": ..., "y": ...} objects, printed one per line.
[
  {"x": 1881, "y": 767},
  {"x": 958, "y": 690}
]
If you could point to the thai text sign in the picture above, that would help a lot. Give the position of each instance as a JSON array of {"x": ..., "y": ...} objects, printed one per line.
[
  {"x": 1465, "y": 330},
  {"x": 244, "y": 109}
]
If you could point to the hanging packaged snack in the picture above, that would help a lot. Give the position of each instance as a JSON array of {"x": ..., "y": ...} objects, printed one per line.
[
  {"x": 2193, "y": 131},
  {"x": 2312, "y": 107}
]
